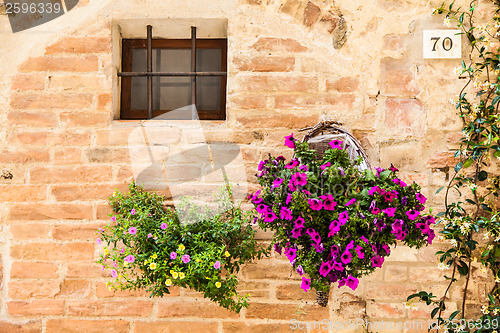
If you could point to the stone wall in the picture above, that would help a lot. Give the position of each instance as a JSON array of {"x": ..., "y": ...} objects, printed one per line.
[{"x": 290, "y": 63}]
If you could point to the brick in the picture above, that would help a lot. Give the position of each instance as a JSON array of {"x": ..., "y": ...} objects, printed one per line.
[
  {"x": 270, "y": 44},
  {"x": 102, "y": 155},
  {"x": 28, "y": 82},
  {"x": 402, "y": 253},
  {"x": 30, "y": 138},
  {"x": 102, "y": 291},
  {"x": 60, "y": 64},
  {"x": 22, "y": 193},
  {"x": 24, "y": 156},
  {"x": 396, "y": 79},
  {"x": 429, "y": 274},
  {"x": 70, "y": 138},
  {"x": 29, "y": 230},
  {"x": 201, "y": 309},
  {"x": 23, "y": 212},
  {"x": 87, "y": 232},
  {"x": 292, "y": 291},
  {"x": 35, "y": 307},
  {"x": 84, "y": 270},
  {"x": 33, "y": 289},
  {"x": 278, "y": 121},
  {"x": 78, "y": 82},
  {"x": 175, "y": 327},
  {"x": 110, "y": 308},
  {"x": 405, "y": 116},
  {"x": 80, "y": 45},
  {"x": 352, "y": 309},
  {"x": 32, "y": 326},
  {"x": 250, "y": 102},
  {"x": 103, "y": 212},
  {"x": 50, "y": 101},
  {"x": 35, "y": 119},
  {"x": 86, "y": 192},
  {"x": 393, "y": 42},
  {"x": 74, "y": 289},
  {"x": 53, "y": 252},
  {"x": 104, "y": 101},
  {"x": 270, "y": 270},
  {"x": 280, "y": 83},
  {"x": 33, "y": 270},
  {"x": 88, "y": 326},
  {"x": 393, "y": 292},
  {"x": 311, "y": 14},
  {"x": 343, "y": 84},
  {"x": 68, "y": 156},
  {"x": 454, "y": 137},
  {"x": 385, "y": 310},
  {"x": 239, "y": 327},
  {"x": 85, "y": 119},
  {"x": 396, "y": 273},
  {"x": 441, "y": 160},
  {"x": 254, "y": 289},
  {"x": 68, "y": 174},
  {"x": 287, "y": 311},
  {"x": 265, "y": 64}
]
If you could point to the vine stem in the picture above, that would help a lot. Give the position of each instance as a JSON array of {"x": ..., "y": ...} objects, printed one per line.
[{"x": 446, "y": 292}]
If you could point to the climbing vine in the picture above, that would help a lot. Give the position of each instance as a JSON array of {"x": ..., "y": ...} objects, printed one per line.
[{"x": 470, "y": 223}]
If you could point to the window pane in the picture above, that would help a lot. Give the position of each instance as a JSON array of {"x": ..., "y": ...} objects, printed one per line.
[{"x": 170, "y": 93}]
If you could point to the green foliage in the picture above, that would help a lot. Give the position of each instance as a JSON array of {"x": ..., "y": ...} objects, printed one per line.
[{"x": 148, "y": 248}]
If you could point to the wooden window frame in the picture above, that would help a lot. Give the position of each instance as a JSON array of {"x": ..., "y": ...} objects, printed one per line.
[{"x": 126, "y": 111}]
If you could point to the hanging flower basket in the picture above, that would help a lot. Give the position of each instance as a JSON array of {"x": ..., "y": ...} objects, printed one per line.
[{"x": 333, "y": 217}]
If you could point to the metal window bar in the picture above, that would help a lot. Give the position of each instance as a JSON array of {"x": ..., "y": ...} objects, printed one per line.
[{"x": 150, "y": 74}]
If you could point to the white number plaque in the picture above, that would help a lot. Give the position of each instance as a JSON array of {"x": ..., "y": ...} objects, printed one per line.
[{"x": 442, "y": 44}]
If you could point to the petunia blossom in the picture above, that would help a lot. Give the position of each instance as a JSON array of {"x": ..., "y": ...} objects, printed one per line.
[
  {"x": 346, "y": 257},
  {"x": 343, "y": 217},
  {"x": 351, "y": 202},
  {"x": 291, "y": 254},
  {"x": 315, "y": 204},
  {"x": 389, "y": 211},
  {"x": 328, "y": 202},
  {"x": 132, "y": 211},
  {"x": 325, "y": 269},
  {"x": 288, "y": 199},
  {"x": 360, "y": 252},
  {"x": 114, "y": 273},
  {"x": 306, "y": 284},
  {"x": 412, "y": 214},
  {"x": 421, "y": 198},
  {"x": 299, "y": 222},
  {"x": 277, "y": 182},
  {"x": 336, "y": 144},
  {"x": 326, "y": 165},
  {"x": 286, "y": 214},
  {"x": 292, "y": 164},
  {"x": 290, "y": 141},
  {"x": 270, "y": 217},
  {"x": 299, "y": 179},
  {"x": 352, "y": 282},
  {"x": 300, "y": 270},
  {"x": 377, "y": 261}
]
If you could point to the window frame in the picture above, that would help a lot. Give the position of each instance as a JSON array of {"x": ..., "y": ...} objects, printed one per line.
[{"x": 127, "y": 113}]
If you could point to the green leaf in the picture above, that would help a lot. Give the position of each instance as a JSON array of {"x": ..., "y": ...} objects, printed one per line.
[
  {"x": 495, "y": 100},
  {"x": 458, "y": 166},
  {"x": 384, "y": 174},
  {"x": 454, "y": 314},
  {"x": 468, "y": 162},
  {"x": 482, "y": 176},
  {"x": 434, "y": 312},
  {"x": 439, "y": 190}
]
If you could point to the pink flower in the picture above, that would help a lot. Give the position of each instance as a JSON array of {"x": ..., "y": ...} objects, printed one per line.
[
  {"x": 300, "y": 270},
  {"x": 328, "y": 203},
  {"x": 130, "y": 258},
  {"x": 291, "y": 254},
  {"x": 334, "y": 228},
  {"x": 325, "y": 269},
  {"x": 185, "y": 258},
  {"x": 315, "y": 204},
  {"x": 122, "y": 251},
  {"x": 373, "y": 190},
  {"x": 326, "y": 165},
  {"x": 292, "y": 164},
  {"x": 299, "y": 222},
  {"x": 390, "y": 211},
  {"x": 360, "y": 252},
  {"x": 377, "y": 261},
  {"x": 132, "y": 230},
  {"x": 346, "y": 257},
  {"x": 277, "y": 182},
  {"x": 132, "y": 211},
  {"x": 270, "y": 216},
  {"x": 113, "y": 219},
  {"x": 163, "y": 226},
  {"x": 217, "y": 264},
  {"x": 306, "y": 284},
  {"x": 288, "y": 199},
  {"x": 299, "y": 179},
  {"x": 286, "y": 214},
  {"x": 173, "y": 255},
  {"x": 114, "y": 264},
  {"x": 343, "y": 217},
  {"x": 113, "y": 273},
  {"x": 336, "y": 144},
  {"x": 290, "y": 141},
  {"x": 98, "y": 241},
  {"x": 350, "y": 202},
  {"x": 421, "y": 198},
  {"x": 150, "y": 235},
  {"x": 296, "y": 232},
  {"x": 352, "y": 282},
  {"x": 412, "y": 214}
]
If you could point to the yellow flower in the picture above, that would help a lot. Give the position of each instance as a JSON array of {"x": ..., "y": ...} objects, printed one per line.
[
  {"x": 226, "y": 254},
  {"x": 218, "y": 284},
  {"x": 106, "y": 252},
  {"x": 171, "y": 272},
  {"x": 154, "y": 256},
  {"x": 182, "y": 275},
  {"x": 114, "y": 194},
  {"x": 168, "y": 282},
  {"x": 175, "y": 275},
  {"x": 198, "y": 260},
  {"x": 182, "y": 247},
  {"x": 152, "y": 265}
]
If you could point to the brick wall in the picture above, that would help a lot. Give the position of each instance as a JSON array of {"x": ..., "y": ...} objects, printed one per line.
[{"x": 290, "y": 63}]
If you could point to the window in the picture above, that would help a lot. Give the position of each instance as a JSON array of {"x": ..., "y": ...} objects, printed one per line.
[{"x": 165, "y": 83}]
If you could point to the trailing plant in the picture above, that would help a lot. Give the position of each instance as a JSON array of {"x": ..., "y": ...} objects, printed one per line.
[
  {"x": 146, "y": 247},
  {"x": 334, "y": 222},
  {"x": 471, "y": 224}
]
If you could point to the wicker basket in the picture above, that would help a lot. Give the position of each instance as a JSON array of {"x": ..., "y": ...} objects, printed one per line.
[
  {"x": 319, "y": 136},
  {"x": 322, "y": 298}
]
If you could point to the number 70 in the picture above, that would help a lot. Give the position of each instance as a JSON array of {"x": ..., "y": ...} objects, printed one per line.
[{"x": 447, "y": 43}]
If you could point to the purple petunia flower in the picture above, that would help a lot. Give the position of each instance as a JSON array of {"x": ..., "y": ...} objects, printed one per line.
[
  {"x": 286, "y": 214},
  {"x": 299, "y": 222},
  {"x": 217, "y": 264},
  {"x": 390, "y": 211},
  {"x": 343, "y": 217},
  {"x": 292, "y": 164},
  {"x": 300, "y": 270},
  {"x": 379, "y": 171},
  {"x": 296, "y": 232},
  {"x": 185, "y": 258},
  {"x": 337, "y": 266},
  {"x": 421, "y": 198},
  {"x": 393, "y": 168},
  {"x": 304, "y": 168},
  {"x": 315, "y": 204},
  {"x": 326, "y": 165},
  {"x": 261, "y": 165},
  {"x": 334, "y": 228},
  {"x": 377, "y": 261},
  {"x": 350, "y": 246},
  {"x": 299, "y": 179},
  {"x": 328, "y": 202},
  {"x": 412, "y": 214},
  {"x": 364, "y": 239},
  {"x": 375, "y": 210},
  {"x": 346, "y": 257},
  {"x": 306, "y": 284},
  {"x": 386, "y": 248},
  {"x": 360, "y": 252},
  {"x": 291, "y": 254},
  {"x": 288, "y": 199},
  {"x": 336, "y": 144},
  {"x": 334, "y": 251},
  {"x": 173, "y": 255},
  {"x": 319, "y": 247},
  {"x": 351, "y": 202},
  {"x": 325, "y": 269},
  {"x": 290, "y": 141},
  {"x": 277, "y": 248},
  {"x": 352, "y": 282},
  {"x": 270, "y": 216},
  {"x": 277, "y": 182},
  {"x": 373, "y": 190}
]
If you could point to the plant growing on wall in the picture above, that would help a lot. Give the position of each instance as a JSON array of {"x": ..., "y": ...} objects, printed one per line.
[
  {"x": 146, "y": 247},
  {"x": 471, "y": 225},
  {"x": 334, "y": 222}
]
